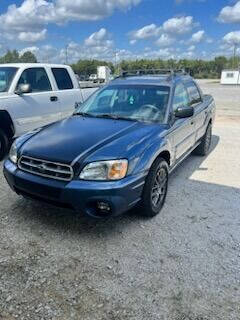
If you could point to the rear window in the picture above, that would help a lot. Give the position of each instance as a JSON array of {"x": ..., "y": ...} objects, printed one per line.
[{"x": 62, "y": 78}]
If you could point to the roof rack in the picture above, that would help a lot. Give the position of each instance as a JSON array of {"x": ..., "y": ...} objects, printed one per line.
[{"x": 155, "y": 72}]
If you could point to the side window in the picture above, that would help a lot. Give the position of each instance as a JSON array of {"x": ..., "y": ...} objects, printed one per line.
[
  {"x": 37, "y": 78},
  {"x": 193, "y": 92},
  {"x": 62, "y": 78},
  {"x": 180, "y": 98},
  {"x": 230, "y": 75}
]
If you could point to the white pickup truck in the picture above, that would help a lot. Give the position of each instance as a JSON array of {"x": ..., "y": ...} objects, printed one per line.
[{"x": 34, "y": 95}]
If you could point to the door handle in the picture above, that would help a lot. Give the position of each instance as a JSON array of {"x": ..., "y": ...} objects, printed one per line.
[
  {"x": 192, "y": 122},
  {"x": 54, "y": 98}
]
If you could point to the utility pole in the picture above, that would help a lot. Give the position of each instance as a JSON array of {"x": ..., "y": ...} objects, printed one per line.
[
  {"x": 66, "y": 52},
  {"x": 116, "y": 53},
  {"x": 115, "y": 60},
  {"x": 234, "y": 54}
]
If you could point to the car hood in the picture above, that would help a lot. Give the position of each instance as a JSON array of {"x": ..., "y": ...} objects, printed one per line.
[{"x": 76, "y": 138}]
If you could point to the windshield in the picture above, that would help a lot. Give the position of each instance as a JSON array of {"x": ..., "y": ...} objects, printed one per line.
[
  {"x": 6, "y": 77},
  {"x": 141, "y": 103}
]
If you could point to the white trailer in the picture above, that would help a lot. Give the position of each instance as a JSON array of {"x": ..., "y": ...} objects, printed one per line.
[
  {"x": 103, "y": 74},
  {"x": 230, "y": 76}
]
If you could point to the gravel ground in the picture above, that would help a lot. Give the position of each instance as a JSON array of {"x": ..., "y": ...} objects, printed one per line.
[
  {"x": 227, "y": 97},
  {"x": 182, "y": 265}
]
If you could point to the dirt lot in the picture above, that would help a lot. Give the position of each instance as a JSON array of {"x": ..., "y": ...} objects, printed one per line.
[
  {"x": 227, "y": 97},
  {"x": 182, "y": 265}
]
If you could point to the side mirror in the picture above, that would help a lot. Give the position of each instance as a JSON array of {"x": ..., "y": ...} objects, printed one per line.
[
  {"x": 23, "y": 88},
  {"x": 184, "y": 112}
]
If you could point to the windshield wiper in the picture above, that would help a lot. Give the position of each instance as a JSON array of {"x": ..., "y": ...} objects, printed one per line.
[
  {"x": 84, "y": 114},
  {"x": 114, "y": 117}
]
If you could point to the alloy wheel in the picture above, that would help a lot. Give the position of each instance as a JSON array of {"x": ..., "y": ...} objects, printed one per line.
[{"x": 159, "y": 188}]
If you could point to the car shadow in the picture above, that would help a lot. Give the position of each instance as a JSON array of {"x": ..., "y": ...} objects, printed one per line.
[{"x": 68, "y": 221}]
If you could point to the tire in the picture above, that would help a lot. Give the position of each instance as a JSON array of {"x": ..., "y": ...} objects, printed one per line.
[
  {"x": 203, "y": 148},
  {"x": 154, "y": 195},
  {"x": 4, "y": 145}
]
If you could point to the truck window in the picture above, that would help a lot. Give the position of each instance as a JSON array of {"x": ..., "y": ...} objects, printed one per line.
[
  {"x": 193, "y": 92},
  {"x": 37, "y": 78},
  {"x": 6, "y": 76},
  {"x": 62, "y": 78},
  {"x": 180, "y": 98}
]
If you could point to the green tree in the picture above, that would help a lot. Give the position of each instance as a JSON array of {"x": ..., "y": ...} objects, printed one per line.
[
  {"x": 14, "y": 57},
  {"x": 10, "y": 57},
  {"x": 219, "y": 64},
  {"x": 28, "y": 57},
  {"x": 87, "y": 67}
]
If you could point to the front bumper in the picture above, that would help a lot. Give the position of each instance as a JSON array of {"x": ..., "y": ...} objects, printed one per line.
[{"x": 78, "y": 195}]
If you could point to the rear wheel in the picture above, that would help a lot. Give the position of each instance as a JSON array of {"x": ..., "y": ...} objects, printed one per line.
[
  {"x": 4, "y": 144},
  {"x": 205, "y": 144},
  {"x": 155, "y": 189}
]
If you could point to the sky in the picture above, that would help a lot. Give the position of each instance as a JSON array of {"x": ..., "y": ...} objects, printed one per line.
[{"x": 114, "y": 30}]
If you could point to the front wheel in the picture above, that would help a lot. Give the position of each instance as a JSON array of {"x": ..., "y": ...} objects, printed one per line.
[
  {"x": 155, "y": 189},
  {"x": 4, "y": 144},
  {"x": 205, "y": 144}
]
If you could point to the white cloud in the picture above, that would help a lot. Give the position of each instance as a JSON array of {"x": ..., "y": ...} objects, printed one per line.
[
  {"x": 230, "y": 14},
  {"x": 91, "y": 10},
  {"x": 165, "y": 40},
  {"x": 146, "y": 32},
  {"x": 181, "y": 1},
  {"x": 166, "y": 53},
  {"x": 35, "y": 15},
  {"x": 132, "y": 42},
  {"x": 232, "y": 38},
  {"x": 32, "y": 36},
  {"x": 179, "y": 25},
  {"x": 209, "y": 40},
  {"x": 172, "y": 27},
  {"x": 198, "y": 36},
  {"x": 32, "y": 14},
  {"x": 97, "y": 46},
  {"x": 191, "y": 48},
  {"x": 100, "y": 38},
  {"x": 33, "y": 49}
]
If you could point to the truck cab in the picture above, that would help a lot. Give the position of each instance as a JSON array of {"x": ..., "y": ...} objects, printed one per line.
[{"x": 34, "y": 95}]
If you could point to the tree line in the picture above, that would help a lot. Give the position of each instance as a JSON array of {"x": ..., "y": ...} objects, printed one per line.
[
  {"x": 87, "y": 67},
  {"x": 199, "y": 68},
  {"x": 14, "y": 57}
]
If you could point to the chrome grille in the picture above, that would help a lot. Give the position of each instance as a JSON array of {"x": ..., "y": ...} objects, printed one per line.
[{"x": 45, "y": 168}]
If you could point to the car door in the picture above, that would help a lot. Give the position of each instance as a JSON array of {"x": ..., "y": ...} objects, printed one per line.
[
  {"x": 200, "y": 109},
  {"x": 40, "y": 106},
  {"x": 182, "y": 129},
  {"x": 67, "y": 92}
]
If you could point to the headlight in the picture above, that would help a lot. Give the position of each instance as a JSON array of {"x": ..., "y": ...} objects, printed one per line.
[
  {"x": 105, "y": 170},
  {"x": 13, "y": 153}
]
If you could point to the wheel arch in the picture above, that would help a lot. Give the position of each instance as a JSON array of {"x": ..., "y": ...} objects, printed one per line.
[
  {"x": 6, "y": 124},
  {"x": 166, "y": 156}
]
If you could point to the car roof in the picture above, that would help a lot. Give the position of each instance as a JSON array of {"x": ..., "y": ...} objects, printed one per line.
[
  {"x": 153, "y": 80},
  {"x": 31, "y": 65}
]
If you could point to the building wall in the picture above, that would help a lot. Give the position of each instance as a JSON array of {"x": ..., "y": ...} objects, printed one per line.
[{"x": 230, "y": 77}]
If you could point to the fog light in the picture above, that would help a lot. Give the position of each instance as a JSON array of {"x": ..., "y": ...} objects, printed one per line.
[{"x": 103, "y": 206}]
